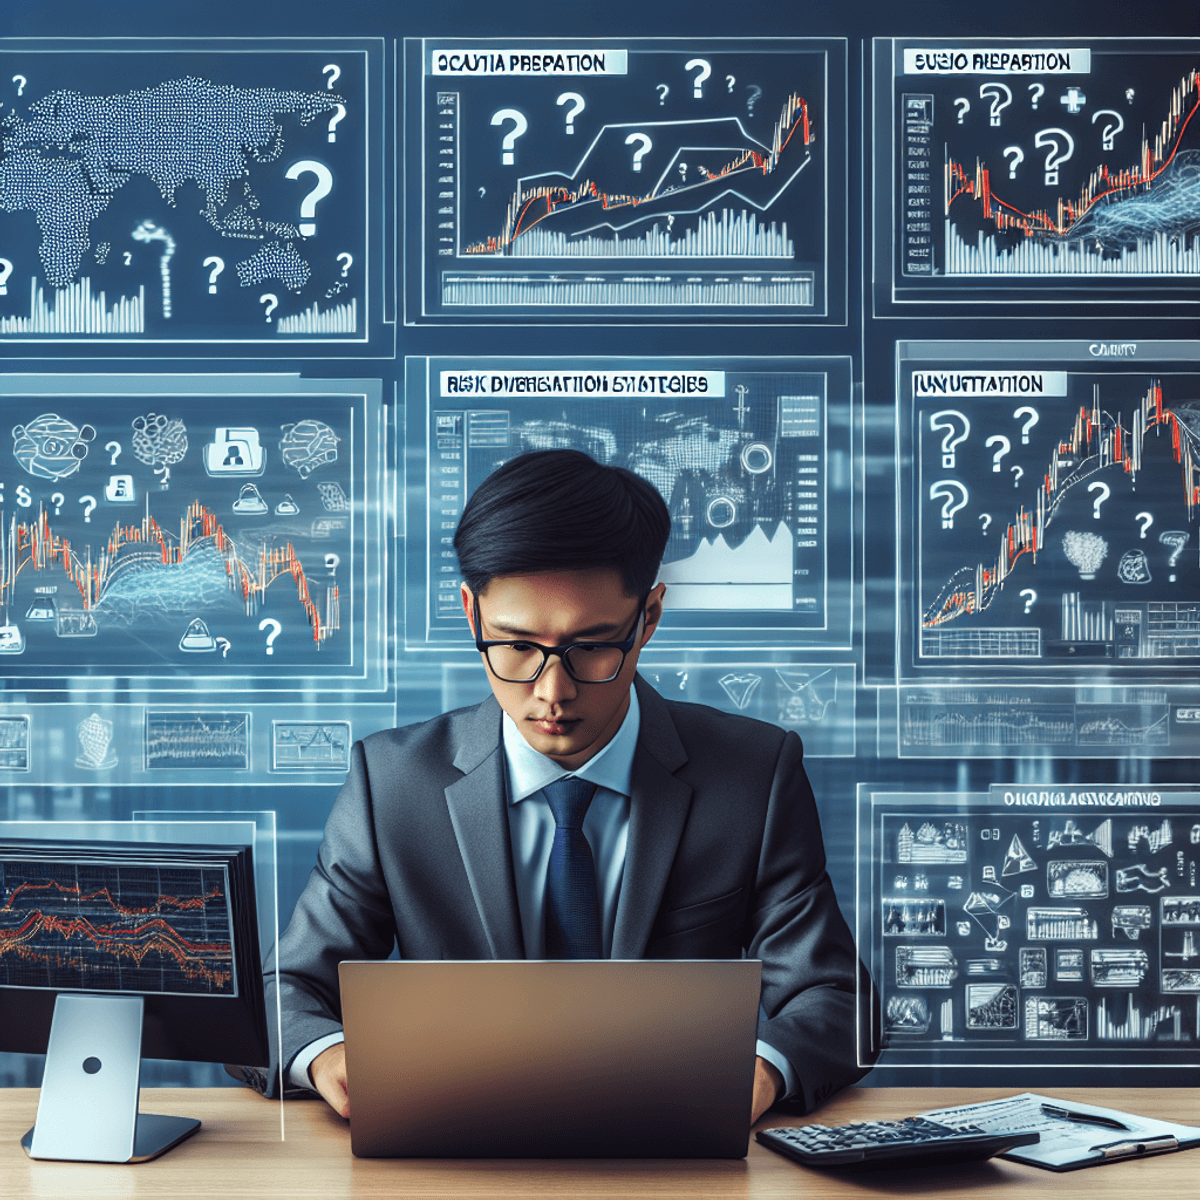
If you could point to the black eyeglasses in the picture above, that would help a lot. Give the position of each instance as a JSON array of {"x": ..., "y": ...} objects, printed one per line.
[{"x": 585, "y": 662}]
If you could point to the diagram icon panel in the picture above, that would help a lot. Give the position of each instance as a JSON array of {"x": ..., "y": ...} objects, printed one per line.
[
  {"x": 653, "y": 178},
  {"x": 168, "y": 191}
]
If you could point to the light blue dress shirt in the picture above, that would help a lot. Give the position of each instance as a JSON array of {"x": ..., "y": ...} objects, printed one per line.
[{"x": 531, "y": 832}]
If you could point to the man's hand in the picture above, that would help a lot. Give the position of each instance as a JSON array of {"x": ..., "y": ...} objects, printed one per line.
[
  {"x": 768, "y": 1085},
  {"x": 328, "y": 1071}
]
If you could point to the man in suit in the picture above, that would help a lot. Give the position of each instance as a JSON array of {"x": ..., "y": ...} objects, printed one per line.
[{"x": 576, "y": 813}]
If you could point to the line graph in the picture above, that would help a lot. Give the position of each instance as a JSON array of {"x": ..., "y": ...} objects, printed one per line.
[{"x": 115, "y": 927}]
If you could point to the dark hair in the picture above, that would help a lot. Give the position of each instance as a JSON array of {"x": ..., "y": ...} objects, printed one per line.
[{"x": 559, "y": 510}]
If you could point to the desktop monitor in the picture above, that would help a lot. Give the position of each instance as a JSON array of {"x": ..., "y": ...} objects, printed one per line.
[{"x": 110, "y": 950}]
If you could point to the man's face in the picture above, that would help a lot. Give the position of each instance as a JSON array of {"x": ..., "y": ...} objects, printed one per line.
[{"x": 558, "y": 716}]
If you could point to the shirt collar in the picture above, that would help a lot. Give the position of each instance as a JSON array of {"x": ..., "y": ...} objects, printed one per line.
[{"x": 612, "y": 767}]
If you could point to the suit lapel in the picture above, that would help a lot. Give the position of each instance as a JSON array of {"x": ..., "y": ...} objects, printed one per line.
[
  {"x": 658, "y": 810},
  {"x": 477, "y": 804}
]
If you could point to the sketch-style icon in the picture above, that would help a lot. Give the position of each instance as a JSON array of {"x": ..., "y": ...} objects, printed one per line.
[
  {"x": 196, "y": 638},
  {"x": 1060, "y": 925},
  {"x": 1156, "y": 840},
  {"x": 907, "y": 1014},
  {"x": 1068, "y": 965},
  {"x": 983, "y": 907},
  {"x": 51, "y": 447},
  {"x": 1085, "y": 551},
  {"x": 1017, "y": 860},
  {"x": 932, "y": 843},
  {"x": 326, "y": 527},
  {"x": 250, "y": 502},
  {"x": 1071, "y": 835},
  {"x": 197, "y": 741},
  {"x": 955, "y": 883},
  {"x": 1134, "y": 567},
  {"x": 1121, "y": 967},
  {"x": 308, "y": 445},
  {"x": 120, "y": 490},
  {"x": 1187, "y": 950},
  {"x": 986, "y": 966},
  {"x": 920, "y": 882},
  {"x": 43, "y": 607},
  {"x": 1130, "y": 919},
  {"x": 991, "y": 1006},
  {"x": 1181, "y": 979},
  {"x": 809, "y": 695},
  {"x": 75, "y": 622},
  {"x": 1032, "y": 970},
  {"x": 1056, "y": 1018},
  {"x": 287, "y": 507},
  {"x": 95, "y": 744},
  {"x": 310, "y": 746},
  {"x": 921, "y": 917},
  {"x": 159, "y": 442},
  {"x": 1180, "y": 910},
  {"x": 12, "y": 640},
  {"x": 1140, "y": 878},
  {"x": 333, "y": 498},
  {"x": 1162, "y": 1024},
  {"x": 1076, "y": 880},
  {"x": 740, "y": 688},
  {"x": 235, "y": 452},
  {"x": 925, "y": 966},
  {"x": 14, "y": 743}
]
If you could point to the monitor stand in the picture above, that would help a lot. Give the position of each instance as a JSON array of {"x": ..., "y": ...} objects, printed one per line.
[{"x": 88, "y": 1109}]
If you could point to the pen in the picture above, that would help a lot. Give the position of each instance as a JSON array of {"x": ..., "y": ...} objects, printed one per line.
[{"x": 1066, "y": 1114}]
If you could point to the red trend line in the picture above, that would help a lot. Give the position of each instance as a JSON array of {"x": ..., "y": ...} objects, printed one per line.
[{"x": 214, "y": 893}]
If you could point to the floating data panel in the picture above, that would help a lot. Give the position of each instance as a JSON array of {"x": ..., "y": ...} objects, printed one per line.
[
  {"x": 202, "y": 192},
  {"x": 815, "y": 700},
  {"x": 664, "y": 179},
  {"x": 1048, "y": 510},
  {"x": 1047, "y": 172},
  {"x": 752, "y": 457},
  {"x": 188, "y": 530},
  {"x": 1033, "y": 926}
]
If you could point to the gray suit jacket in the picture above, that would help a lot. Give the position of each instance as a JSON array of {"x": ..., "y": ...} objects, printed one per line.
[{"x": 724, "y": 856}]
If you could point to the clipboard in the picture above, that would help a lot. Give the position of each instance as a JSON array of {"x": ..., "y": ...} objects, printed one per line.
[{"x": 1085, "y": 1135}]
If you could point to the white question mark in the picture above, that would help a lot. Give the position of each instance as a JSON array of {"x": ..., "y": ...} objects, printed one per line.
[
  {"x": 339, "y": 115},
  {"x": 1005, "y": 446},
  {"x": 1146, "y": 519},
  {"x": 308, "y": 206},
  {"x": 705, "y": 70},
  {"x": 347, "y": 264},
  {"x": 331, "y": 563},
  {"x": 986, "y": 518},
  {"x": 1032, "y": 597},
  {"x": 966, "y": 107},
  {"x": 1057, "y": 155},
  {"x": 272, "y": 303},
  {"x": 510, "y": 138},
  {"x": 224, "y": 643},
  {"x": 1018, "y": 158},
  {"x": 730, "y": 81},
  {"x": 1017, "y": 473},
  {"x": 577, "y": 103},
  {"x": 58, "y": 500},
  {"x": 1176, "y": 539},
  {"x": 751, "y": 100},
  {"x": 1110, "y": 130},
  {"x": 951, "y": 491},
  {"x": 114, "y": 448},
  {"x": 218, "y": 265},
  {"x": 89, "y": 503},
  {"x": 334, "y": 72},
  {"x": 1104, "y": 490},
  {"x": 275, "y": 632},
  {"x": 128, "y": 258},
  {"x": 1038, "y": 92},
  {"x": 20, "y": 81},
  {"x": 6, "y": 269},
  {"x": 482, "y": 192},
  {"x": 638, "y": 155},
  {"x": 1001, "y": 97},
  {"x": 954, "y": 437},
  {"x": 1029, "y": 424},
  {"x": 663, "y": 92}
]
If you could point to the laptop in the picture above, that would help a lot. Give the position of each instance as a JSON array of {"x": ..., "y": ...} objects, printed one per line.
[{"x": 576, "y": 1059}]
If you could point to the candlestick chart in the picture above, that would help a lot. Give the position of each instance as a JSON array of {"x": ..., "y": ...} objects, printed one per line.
[{"x": 115, "y": 927}]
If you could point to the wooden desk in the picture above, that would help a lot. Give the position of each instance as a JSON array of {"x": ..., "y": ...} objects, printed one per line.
[{"x": 238, "y": 1153}]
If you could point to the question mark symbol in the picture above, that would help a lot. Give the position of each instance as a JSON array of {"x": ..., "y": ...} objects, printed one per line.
[
  {"x": 1110, "y": 130},
  {"x": 955, "y": 496},
  {"x": 1038, "y": 92},
  {"x": 577, "y": 103},
  {"x": 966, "y": 107},
  {"x": 1104, "y": 493},
  {"x": 1005, "y": 446},
  {"x": 730, "y": 81},
  {"x": 1032, "y": 597},
  {"x": 58, "y": 500},
  {"x": 6, "y": 269},
  {"x": 704, "y": 71},
  {"x": 331, "y": 563},
  {"x": 954, "y": 436},
  {"x": 347, "y": 264},
  {"x": 89, "y": 503},
  {"x": 128, "y": 258},
  {"x": 114, "y": 448},
  {"x": 1176, "y": 539},
  {"x": 224, "y": 643},
  {"x": 510, "y": 138},
  {"x": 1017, "y": 473},
  {"x": 1001, "y": 97},
  {"x": 751, "y": 100},
  {"x": 1029, "y": 424},
  {"x": 638, "y": 155},
  {"x": 339, "y": 115},
  {"x": 218, "y": 265},
  {"x": 663, "y": 92},
  {"x": 986, "y": 518},
  {"x": 275, "y": 631},
  {"x": 272, "y": 303},
  {"x": 1018, "y": 158},
  {"x": 334, "y": 72},
  {"x": 1058, "y": 154},
  {"x": 308, "y": 206},
  {"x": 20, "y": 81}
]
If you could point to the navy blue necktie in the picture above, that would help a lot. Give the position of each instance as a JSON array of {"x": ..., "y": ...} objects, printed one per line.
[{"x": 572, "y": 907}]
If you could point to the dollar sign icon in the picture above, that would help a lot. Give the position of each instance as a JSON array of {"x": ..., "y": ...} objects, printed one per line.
[{"x": 24, "y": 499}]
